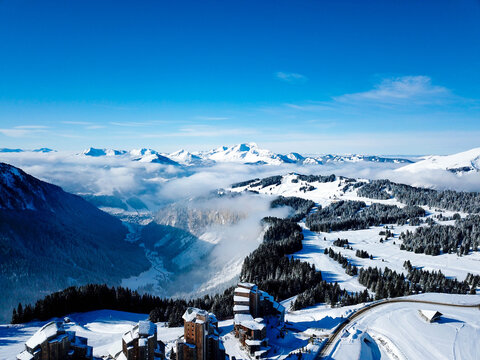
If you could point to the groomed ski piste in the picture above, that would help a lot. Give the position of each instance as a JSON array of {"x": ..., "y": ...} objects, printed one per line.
[{"x": 379, "y": 330}]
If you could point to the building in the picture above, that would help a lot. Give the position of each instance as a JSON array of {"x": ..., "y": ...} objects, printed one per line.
[
  {"x": 430, "y": 315},
  {"x": 252, "y": 334},
  {"x": 248, "y": 299},
  {"x": 140, "y": 343},
  {"x": 201, "y": 340},
  {"x": 53, "y": 342},
  {"x": 251, "y": 305}
]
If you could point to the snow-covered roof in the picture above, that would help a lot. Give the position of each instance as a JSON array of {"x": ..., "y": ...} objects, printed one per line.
[
  {"x": 128, "y": 337},
  {"x": 24, "y": 355},
  {"x": 430, "y": 315},
  {"x": 191, "y": 314},
  {"x": 237, "y": 298},
  {"x": 141, "y": 330},
  {"x": 46, "y": 332},
  {"x": 146, "y": 328},
  {"x": 237, "y": 308},
  {"x": 242, "y": 290},
  {"x": 253, "y": 342},
  {"x": 247, "y": 285},
  {"x": 248, "y": 321}
]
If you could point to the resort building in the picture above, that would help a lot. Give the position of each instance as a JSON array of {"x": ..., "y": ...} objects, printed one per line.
[
  {"x": 251, "y": 305},
  {"x": 140, "y": 343},
  {"x": 248, "y": 299},
  {"x": 201, "y": 339},
  {"x": 53, "y": 342}
]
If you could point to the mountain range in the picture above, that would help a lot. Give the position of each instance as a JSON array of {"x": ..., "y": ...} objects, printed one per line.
[{"x": 246, "y": 153}]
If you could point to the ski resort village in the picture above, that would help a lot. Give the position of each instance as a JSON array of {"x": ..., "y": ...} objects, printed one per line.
[
  {"x": 340, "y": 268},
  {"x": 239, "y": 180}
]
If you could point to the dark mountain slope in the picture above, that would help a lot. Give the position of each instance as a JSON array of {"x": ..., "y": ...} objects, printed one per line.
[{"x": 50, "y": 239}]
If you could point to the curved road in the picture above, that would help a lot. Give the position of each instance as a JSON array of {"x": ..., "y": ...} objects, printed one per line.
[{"x": 326, "y": 348}]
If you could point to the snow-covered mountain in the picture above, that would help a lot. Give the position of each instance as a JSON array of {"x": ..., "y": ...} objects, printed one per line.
[
  {"x": 245, "y": 153},
  {"x": 248, "y": 153},
  {"x": 141, "y": 155},
  {"x": 40, "y": 150},
  {"x": 51, "y": 239},
  {"x": 187, "y": 158},
  {"x": 467, "y": 161},
  {"x": 94, "y": 152},
  {"x": 325, "y": 159}
]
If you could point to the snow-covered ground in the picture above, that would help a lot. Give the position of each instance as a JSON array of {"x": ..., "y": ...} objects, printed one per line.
[
  {"x": 397, "y": 331},
  {"x": 390, "y": 331},
  {"x": 386, "y": 254},
  {"x": 460, "y": 162}
]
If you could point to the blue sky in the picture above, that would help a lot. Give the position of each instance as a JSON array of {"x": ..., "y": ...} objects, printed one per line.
[{"x": 389, "y": 77}]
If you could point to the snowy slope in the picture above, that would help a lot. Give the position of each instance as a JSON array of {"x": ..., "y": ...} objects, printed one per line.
[
  {"x": 386, "y": 254},
  {"x": 467, "y": 161},
  {"x": 397, "y": 331}
]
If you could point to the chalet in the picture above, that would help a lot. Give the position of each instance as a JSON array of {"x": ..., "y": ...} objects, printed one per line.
[
  {"x": 430, "y": 315},
  {"x": 53, "y": 342},
  {"x": 201, "y": 340},
  {"x": 140, "y": 343}
]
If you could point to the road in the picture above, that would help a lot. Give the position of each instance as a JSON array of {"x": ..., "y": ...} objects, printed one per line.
[{"x": 327, "y": 348}]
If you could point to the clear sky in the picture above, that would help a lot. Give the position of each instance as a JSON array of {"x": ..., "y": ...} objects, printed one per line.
[{"x": 388, "y": 77}]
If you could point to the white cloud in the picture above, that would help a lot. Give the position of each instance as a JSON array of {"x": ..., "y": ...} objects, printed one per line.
[
  {"x": 399, "y": 90},
  {"x": 203, "y": 131},
  {"x": 212, "y": 118},
  {"x": 23, "y": 131},
  {"x": 31, "y": 127},
  {"x": 77, "y": 123},
  {"x": 291, "y": 77}
]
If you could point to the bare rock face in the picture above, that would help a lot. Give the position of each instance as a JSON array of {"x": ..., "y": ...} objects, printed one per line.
[{"x": 196, "y": 217}]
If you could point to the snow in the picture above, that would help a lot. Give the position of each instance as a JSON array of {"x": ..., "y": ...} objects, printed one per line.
[
  {"x": 468, "y": 159},
  {"x": 399, "y": 332},
  {"x": 47, "y": 331},
  {"x": 25, "y": 355},
  {"x": 248, "y": 321},
  {"x": 395, "y": 331},
  {"x": 241, "y": 308},
  {"x": 430, "y": 314},
  {"x": 242, "y": 290},
  {"x": 146, "y": 328}
]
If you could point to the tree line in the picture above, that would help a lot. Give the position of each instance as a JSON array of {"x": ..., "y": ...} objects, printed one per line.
[
  {"x": 100, "y": 296},
  {"x": 468, "y": 202},
  {"x": 355, "y": 215},
  {"x": 460, "y": 238}
]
